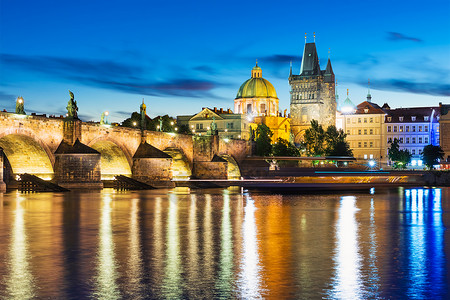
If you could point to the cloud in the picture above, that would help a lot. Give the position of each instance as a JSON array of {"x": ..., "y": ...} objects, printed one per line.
[
  {"x": 112, "y": 75},
  {"x": 412, "y": 87},
  {"x": 7, "y": 97},
  {"x": 396, "y": 36}
]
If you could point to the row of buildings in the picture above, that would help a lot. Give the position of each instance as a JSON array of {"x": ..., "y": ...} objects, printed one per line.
[{"x": 369, "y": 127}]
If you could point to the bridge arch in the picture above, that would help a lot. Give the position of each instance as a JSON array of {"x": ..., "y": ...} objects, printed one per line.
[
  {"x": 180, "y": 164},
  {"x": 115, "y": 157},
  {"x": 27, "y": 153},
  {"x": 233, "y": 170}
]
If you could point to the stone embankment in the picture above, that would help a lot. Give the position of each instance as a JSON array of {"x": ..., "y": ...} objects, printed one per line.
[{"x": 437, "y": 178}]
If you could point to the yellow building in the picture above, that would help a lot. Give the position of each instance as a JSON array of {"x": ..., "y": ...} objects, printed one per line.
[
  {"x": 364, "y": 125},
  {"x": 257, "y": 99}
]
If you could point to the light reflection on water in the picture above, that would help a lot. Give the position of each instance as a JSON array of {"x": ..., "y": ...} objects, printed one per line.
[
  {"x": 20, "y": 280},
  {"x": 217, "y": 244}
]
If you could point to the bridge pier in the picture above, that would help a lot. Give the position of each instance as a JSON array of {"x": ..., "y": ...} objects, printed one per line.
[
  {"x": 2, "y": 183},
  {"x": 207, "y": 164},
  {"x": 77, "y": 166},
  {"x": 152, "y": 166}
]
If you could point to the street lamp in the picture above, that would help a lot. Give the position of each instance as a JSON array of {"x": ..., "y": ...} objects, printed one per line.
[{"x": 134, "y": 124}]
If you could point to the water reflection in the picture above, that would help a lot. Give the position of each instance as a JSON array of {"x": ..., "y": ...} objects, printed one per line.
[
  {"x": 226, "y": 250},
  {"x": 19, "y": 283},
  {"x": 135, "y": 265},
  {"x": 347, "y": 279},
  {"x": 106, "y": 266},
  {"x": 424, "y": 232},
  {"x": 250, "y": 277},
  {"x": 173, "y": 268}
]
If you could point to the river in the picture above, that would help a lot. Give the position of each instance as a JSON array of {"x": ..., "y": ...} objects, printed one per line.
[{"x": 169, "y": 244}]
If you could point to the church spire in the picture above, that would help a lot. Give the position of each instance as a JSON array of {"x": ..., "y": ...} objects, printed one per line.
[{"x": 369, "y": 96}]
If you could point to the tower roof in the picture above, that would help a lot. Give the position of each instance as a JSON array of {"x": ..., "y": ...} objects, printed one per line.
[
  {"x": 310, "y": 60},
  {"x": 329, "y": 74}
]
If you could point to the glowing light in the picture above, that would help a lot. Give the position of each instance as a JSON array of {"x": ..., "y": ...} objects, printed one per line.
[
  {"x": 372, "y": 163},
  {"x": 226, "y": 130},
  {"x": 419, "y": 162},
  {"x": 106, "y": 113},
  {"x": 372, "y": 191},
  {"x": 134, "y": 123},
  {"x": 171, "y": 123},
  {"x": 226, "y": 140},
  {"x": 157, "y": 126},
  {"x": 176, "y": 128},
  {"x": 347, "y": 109},
  {"x": 239, "y": 136},
  {"x": 413, "y": 162}
]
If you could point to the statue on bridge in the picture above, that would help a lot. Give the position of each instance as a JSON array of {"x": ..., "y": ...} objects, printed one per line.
[
  {"x": 143, "y": 114},
  {"x": 72, "y": 108},
  {"x": 213, "y": 126}
]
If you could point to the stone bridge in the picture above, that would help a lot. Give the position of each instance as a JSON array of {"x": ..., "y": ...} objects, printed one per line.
[{"x": 30, "y": 145}]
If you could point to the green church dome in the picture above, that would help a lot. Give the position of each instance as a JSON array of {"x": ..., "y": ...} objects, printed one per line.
[{"x": 256, "y": 87}]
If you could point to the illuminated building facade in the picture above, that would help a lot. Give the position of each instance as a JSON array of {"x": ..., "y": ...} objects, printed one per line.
[
  {"x": 414, "y": 128},
  {"x": 444, "y": 124},
  {"x": 312, "y": 93},
  {"x": 227, "y": 124},
  {"x": 364, "y": 128},
  {"x": 258, "y": 101}
]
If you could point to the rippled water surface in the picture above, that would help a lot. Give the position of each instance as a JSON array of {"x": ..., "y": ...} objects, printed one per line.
[{"x": 224, "y": 244}]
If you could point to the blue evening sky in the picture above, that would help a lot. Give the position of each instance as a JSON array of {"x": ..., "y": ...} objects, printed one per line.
[{"x": 184, "y": 55}]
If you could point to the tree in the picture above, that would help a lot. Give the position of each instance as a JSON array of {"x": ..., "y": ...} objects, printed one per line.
[
  {"x": 314, "y": 139},
  {"x": 400, "y": 157},
  {"x": 184, "y": 129},
  {"x": 336, "y": 144},
  {"x": 263, "y": 141},
  {"x": 431, "y": 155},
  {"x": 283, "y": 148},
  {"x": 168, "y": 123}
]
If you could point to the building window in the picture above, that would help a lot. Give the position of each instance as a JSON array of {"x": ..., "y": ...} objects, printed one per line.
[
  {"x": 389, "y": 140},
  {"x": 365, "y": 120},
  {"x": 262, "y": 107},
  {"x": 365, "y": 156},
  {"x": 420, "y": 128},
  {"x": 413, "y": 151},
  {"x": 365, "y": 144},
  {"x": 348, "y": 121},
  {"x": 406, "y": 128},
  {"x": 401, "y": 140},
  {"x": 420, "y": 140},
  {"x": 359, "y": 144},
  {"x": 359, "y": 131},
  {"x": 371, "y": 144},
  {"x": 371, "y": 120},
  {"x": 400, "y": 119},
  {"x": 348, "y": 131},
  {"x": 420, "y": 151},
  {"x": 365, "y": 131},
  {"x": 371, "y": 131},
  {"x": 413, "y": 140},
  {"x": 371, "y": 156},
  {"x": 400, "y": 128},
  {"x": 199, "y": 126},
  {"x": 389, "y": 129},
  {"x": 413, "y": 128},
  {"x": 413, "y": 118},
  {"x": 230, "y": 125},
  {"x": 249, "y": 108},
  {"x": 426, "y": 118},
  {"x": 426, "y": 140},
  {"x": 426, "y": 128},
  {"x": 359, "y": 120},
  {"x": 395, "y": 128},
  {"x": 407, "y": 140}
]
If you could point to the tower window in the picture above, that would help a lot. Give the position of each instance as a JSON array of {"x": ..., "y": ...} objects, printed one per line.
[{"x": 249, "y": 108}]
